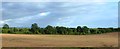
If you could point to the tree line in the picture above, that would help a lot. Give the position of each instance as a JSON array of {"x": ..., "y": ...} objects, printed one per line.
[{"x": 35, "y": 29}]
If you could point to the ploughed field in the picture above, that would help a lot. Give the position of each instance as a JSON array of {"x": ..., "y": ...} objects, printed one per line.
[{"x": 26, "y": 40}]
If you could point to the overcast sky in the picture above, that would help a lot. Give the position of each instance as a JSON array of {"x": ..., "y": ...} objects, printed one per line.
[{"x": 69, "y": 14}]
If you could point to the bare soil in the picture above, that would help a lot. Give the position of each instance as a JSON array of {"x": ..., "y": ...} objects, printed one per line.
[{"x": 26, "y": 40}]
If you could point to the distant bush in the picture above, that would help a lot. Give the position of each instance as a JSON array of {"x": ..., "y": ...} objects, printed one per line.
[{"x": 35, "y": 29}]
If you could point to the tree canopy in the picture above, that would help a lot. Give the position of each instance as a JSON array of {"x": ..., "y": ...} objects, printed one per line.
[
  {"x": 6, "y": 26},
  {"x": 35, "y": 29}
]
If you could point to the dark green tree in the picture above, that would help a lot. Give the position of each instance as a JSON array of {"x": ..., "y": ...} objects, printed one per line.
[
  {"x": 79, "y": 30},
  {"x": 34, "y": 28},
  {"x": 15, "y": 29},
  {"x": 6, "y": 26},
  {"x": 41, "y": 30},
  {"x": 61, "y": 30},
  {"x": 50, "y": 30},
  {"x": 93, "y": 31},
  {"x": 69, "y": 31},
  {"x": 11, "y": 31},
  {"x": 85, "y": 29}
]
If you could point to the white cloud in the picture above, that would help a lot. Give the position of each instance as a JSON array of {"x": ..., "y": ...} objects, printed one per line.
[
  {"x": 1, "y": 22},
  {"x": 7, "y": 20},
  {"x": 44, "y": 13},
  {"x": 4, "y": 21},
  {"x": 25, "y": 19}
]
